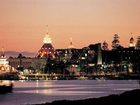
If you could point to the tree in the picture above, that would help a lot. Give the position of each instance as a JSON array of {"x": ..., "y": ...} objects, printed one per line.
[
  {"x": 116, "y": 42},
  {"x": 105, "y": 46}
]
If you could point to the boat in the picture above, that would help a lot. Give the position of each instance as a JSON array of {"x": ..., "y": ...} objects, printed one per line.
[{"x": 6, "y": 86}]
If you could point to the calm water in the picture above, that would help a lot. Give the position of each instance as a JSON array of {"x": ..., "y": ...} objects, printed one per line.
[{"x": 28, "y": 92}]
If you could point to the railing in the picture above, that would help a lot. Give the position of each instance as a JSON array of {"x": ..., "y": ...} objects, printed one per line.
[{"x": 68, "y": 76}]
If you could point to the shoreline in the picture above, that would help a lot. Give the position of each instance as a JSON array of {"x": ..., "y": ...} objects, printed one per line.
[{"x": 131, "y": 96}]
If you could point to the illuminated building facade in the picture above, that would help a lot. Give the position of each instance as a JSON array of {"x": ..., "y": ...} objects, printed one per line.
[
  {"x": 47, "y": 50},
  {"x": 87, "y": 59},
  {"x": 4, "y": 65}
]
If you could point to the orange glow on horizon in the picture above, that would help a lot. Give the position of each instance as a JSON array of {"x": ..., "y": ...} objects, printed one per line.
[{"x": 23, "y": 22}]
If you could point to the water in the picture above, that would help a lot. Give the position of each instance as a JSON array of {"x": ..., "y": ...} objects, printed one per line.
[{"x": 29, "y": 92}]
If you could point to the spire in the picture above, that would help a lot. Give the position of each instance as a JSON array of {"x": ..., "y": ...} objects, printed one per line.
[
  {"x": 47, "y": 38},
  {"x": 47, "y": 31},
  {"x": 2, "y": 49},
  {"x": 71, "y": 41},
  {"x": 71, "y": 44},
  {"x": 2, "y": 55},
  {"x": 99, "y": 57},
  {"x": 131, "y": 41}
]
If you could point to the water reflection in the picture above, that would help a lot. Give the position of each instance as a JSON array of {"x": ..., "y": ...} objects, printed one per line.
[
  {"x": 47, "y": 91},
  {"x": 37, "y": 87}
]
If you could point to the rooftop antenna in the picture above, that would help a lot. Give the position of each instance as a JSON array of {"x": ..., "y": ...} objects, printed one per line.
[
  {"x": 2, "y": 52},
  {"x": 47, "y": 38},
  {"x": 47, "y": 31},
  {"x": 71, "y": 41}
]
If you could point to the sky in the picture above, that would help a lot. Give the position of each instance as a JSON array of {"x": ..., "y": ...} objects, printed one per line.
[{"x": 23, "y": 22}]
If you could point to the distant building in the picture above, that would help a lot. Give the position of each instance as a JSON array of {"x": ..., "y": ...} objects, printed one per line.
[
  {"x": 4, "y": 65},
  {"x": 47, "y": 50},
  {"x": 37, "y": 63},
  {"x": 88, "y": 59},
  {"x": 123, "y": 58},
  {"x": 21, "y": 63}
]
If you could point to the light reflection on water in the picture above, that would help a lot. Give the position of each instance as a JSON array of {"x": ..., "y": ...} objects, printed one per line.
[{"x": 47, "y": 91}]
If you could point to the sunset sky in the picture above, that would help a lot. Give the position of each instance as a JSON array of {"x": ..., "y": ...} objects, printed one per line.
[{"x": 23, "y": 22}]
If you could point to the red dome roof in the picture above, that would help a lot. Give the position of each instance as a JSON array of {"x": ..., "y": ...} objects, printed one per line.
[{"x": 47, "y": 50}]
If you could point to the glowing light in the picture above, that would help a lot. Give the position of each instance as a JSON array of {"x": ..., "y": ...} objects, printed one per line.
[
  {"x": 47, "y": 39},
  {"x": 83, "y": 58},
  {"x": 131, "y": 45},
  {"x": 3, "y": 61},
  {"x": 2, "y": 68}
]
